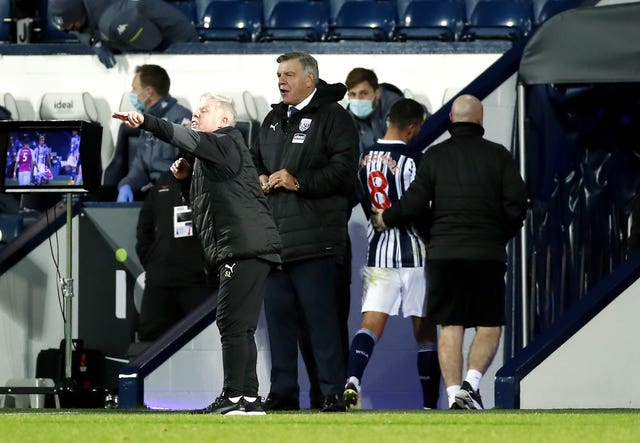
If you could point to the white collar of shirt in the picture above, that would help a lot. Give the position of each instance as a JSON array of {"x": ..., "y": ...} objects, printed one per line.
[
  {"x": 303, "y": 103},
  {"x": 390, "y": 142}
]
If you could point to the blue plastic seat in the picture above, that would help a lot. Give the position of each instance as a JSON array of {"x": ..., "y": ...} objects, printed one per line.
[
  {"x": 296, "y": 20},
  {"x": 5, "y": 21},
  {"x": 49, "y": 32},
  {"x": 231, "y": 20},
  {"x": 499, "y": 19},
  {"x": 430, "y": 20},
  {"x": 363, "y": 20},
  {"x": 187, "y": 7}
]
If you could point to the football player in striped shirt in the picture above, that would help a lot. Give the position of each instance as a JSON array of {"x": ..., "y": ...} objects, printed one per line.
[
  {"x": 42, "y": 155},
  {"x": 394, "y": 276}
]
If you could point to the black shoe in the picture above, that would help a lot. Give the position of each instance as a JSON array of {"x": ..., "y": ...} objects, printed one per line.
[
  {"x": 223, "y": 406},
  {"x": 333, "y": 403},
  {"x": 467, "y": 398},
  {"x": 277, "y": 402},
  {"x": 253, "y": 407}
]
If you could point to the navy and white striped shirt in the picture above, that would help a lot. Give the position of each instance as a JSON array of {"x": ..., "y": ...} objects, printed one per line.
[{"x": 384, "y": 173}]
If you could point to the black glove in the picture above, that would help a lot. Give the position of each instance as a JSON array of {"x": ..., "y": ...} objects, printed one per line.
[{"x": 105, "y": 55}]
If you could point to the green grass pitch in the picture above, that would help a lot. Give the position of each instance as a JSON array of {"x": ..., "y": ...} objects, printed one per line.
[{"x": 96, "y": 426}]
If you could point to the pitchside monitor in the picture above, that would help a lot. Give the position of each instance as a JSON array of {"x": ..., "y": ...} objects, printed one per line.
[{"x": 50, "y": 156}]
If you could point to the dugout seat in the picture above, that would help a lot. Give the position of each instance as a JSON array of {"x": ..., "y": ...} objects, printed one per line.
[{"x": 68, "y": 106}]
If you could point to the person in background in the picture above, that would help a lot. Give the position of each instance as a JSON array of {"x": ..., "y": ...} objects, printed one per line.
[
  {"x": 369, "y": 104},
  {"x": 73, "y": 159},
  {"x": 150, "y": 94},
  {"x": 176, "y": 281},
  {"x": 233, "y": 222},
  {"x": 24, "y": 165},
  {"x": 42, "y": 158},
  {"x": 122, "y": 25},
  {"x": 306, "y": 157},
  {"x": 476, "y": 201},
  {"x": 394, "y": 275}
]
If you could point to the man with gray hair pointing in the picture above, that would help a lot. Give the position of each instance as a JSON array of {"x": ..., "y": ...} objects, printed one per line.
[{"x": 233, "y": 221}]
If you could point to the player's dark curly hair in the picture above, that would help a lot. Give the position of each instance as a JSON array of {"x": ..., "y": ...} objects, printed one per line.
[{"x": 406, "y": 111}]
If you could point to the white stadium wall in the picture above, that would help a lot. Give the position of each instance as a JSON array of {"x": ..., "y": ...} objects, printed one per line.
[{"x": 596, "y": 368}]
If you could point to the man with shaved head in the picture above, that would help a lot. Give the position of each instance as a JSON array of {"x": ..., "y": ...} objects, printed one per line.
[
  {"x": 474, "y": 200},
  {"x": 466, "y": 108}
]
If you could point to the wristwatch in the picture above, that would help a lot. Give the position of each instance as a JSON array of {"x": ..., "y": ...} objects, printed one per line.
[{"x": 297, "y": 184}]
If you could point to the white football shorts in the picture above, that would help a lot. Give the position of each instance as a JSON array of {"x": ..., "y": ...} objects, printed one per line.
[{"x": 388, "y": 289}]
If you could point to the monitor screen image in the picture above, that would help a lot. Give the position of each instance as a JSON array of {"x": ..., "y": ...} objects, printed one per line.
[{"x": 51, "y": 156}]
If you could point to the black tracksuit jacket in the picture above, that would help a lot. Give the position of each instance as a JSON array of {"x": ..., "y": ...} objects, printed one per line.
[{"x": 319, "y": 146}]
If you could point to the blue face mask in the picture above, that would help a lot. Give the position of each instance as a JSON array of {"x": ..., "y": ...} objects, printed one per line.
[
  {"x": 133, "y": 97},
  {"x": 361, "y": 108}
]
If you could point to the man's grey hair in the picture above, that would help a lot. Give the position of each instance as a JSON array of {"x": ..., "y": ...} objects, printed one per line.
[
  {"x": 224, "y": 104},
  {"x": 309, "y": 64}
]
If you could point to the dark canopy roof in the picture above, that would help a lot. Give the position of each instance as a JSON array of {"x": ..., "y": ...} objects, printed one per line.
[{"x": 585, "y": 45}]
